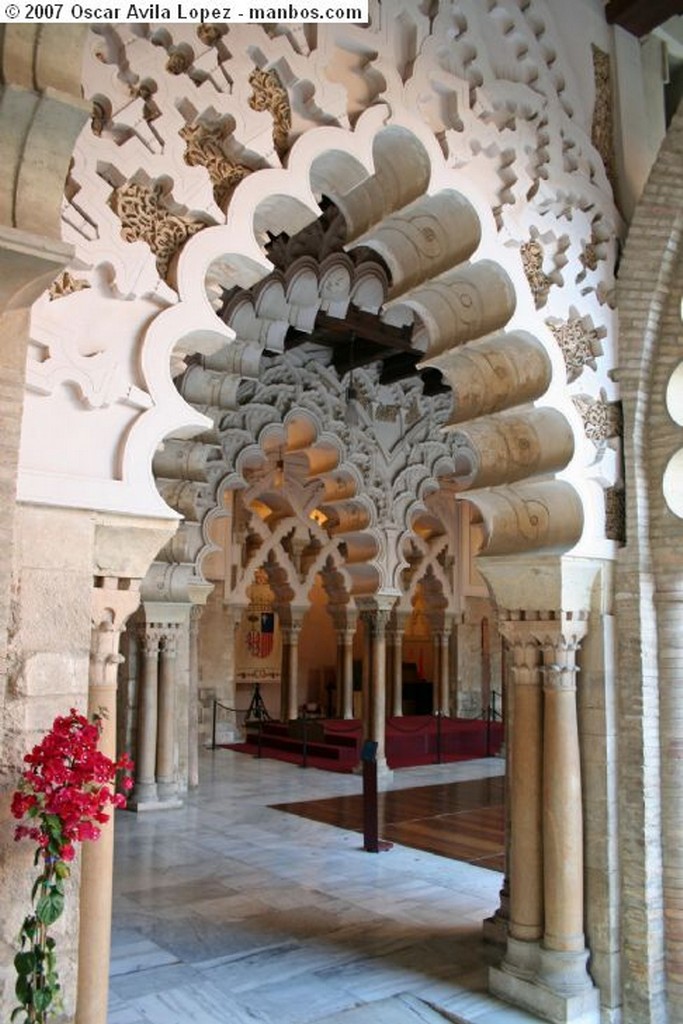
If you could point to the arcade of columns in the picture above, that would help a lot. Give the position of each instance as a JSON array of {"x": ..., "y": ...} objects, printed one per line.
[{"x": 521, "y": 334}]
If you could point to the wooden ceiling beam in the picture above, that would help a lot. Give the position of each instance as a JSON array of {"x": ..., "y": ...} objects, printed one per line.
[
  {"x": 639, "y": 18},
  {"x": 368, "y": 327}
]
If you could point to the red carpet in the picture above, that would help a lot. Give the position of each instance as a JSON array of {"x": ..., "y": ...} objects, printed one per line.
[{"x": 334, "y": 744}]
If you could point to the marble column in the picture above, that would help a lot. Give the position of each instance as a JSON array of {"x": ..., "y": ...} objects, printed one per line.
[
  {"x": 145, "y": 761},
  {"x": 345, "y": 639},
  {"x": 111, "y": 607},
  {"x": 292, "y": 635},
  {"x": 193, "y": 700},
  {"x": 496, "y": 928},
  {"x": 378, "y": 685},
  {"x": 167, "y": 785},
  {"x": 396, "y": 642},
  {"x": 549, "y": 977},
  {"x": 284, "y": 676},
  {"x": 564, "y": 956},
  {"x": 525, "y": 927},
  {"x": 443, "y": 704}
]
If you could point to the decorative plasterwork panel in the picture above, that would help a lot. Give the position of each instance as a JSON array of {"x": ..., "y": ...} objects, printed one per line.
[
  {"x": 270, "y": 95},
  {"x": 580, "y": 344},
  {"x": 143, "y": 217},
  {"x": 602, "y": 128},
  {"x": 206, "y": 147},
  {"x": 472, "y": 99}
]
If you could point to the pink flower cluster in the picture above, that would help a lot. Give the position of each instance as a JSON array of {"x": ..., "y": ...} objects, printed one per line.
[{"x": 67, "y": 786}]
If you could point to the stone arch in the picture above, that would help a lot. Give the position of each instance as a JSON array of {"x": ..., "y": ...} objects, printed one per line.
[
  {"x": 648, "y": 588},
  {"x": 435, "y": 285}
]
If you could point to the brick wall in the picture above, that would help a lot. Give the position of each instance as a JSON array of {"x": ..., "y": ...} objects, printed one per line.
[{"x": 649, "y": 290}]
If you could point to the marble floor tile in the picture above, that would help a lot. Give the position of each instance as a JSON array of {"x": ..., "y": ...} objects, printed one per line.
[{"x": 230, "y": 912}]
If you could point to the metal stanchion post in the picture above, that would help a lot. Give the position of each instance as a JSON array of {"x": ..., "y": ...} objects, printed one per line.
[
  {"x": 304, "y": 739},
  {"x": 438, "y": 737},
  {"x": 488, "y": 731},
  {"x": 370, "y": 806},
  {"x": 213, "y": 727}
]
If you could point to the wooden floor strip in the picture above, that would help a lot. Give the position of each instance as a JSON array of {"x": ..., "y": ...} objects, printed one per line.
[{"x": 458, "y": 820}]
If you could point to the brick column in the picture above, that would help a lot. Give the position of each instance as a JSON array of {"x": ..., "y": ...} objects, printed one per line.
[{"x": 669, "y": 604}]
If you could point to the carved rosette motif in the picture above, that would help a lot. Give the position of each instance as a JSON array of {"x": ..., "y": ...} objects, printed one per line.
[
  {"x": 601, "y": 420},
  {"x": 579, "y": 343}
]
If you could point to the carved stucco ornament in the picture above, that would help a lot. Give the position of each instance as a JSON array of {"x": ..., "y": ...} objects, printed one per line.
[
  {"x": 66, "y": 284},
  {"x": 205, "y": 148},
  {"x": 143, "y": 218},
  {"x": 615, "y": 513},
  {"x": 532, "y": 261},
  {"x": 602, "y": 420},
  {"x": 602, "y": 128},
  {"x": 269, "y": 94},
  {"x": 580, "y": 344}
]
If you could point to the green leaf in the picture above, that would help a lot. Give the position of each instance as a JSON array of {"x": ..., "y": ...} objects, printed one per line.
[
  {"x": 62, "y": 870},
  {"x": 25, "y": 963},
  {"x": 17, "y": 1010},
  {"x": 50, "y": 907},
  {"x": 23, "y": 990},
  {"x": 28, "y": 929},
  {"x": 42, "y": 999}
]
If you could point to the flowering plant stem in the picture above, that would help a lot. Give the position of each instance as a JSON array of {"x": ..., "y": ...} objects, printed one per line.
[{"x": 65, "y": 789}]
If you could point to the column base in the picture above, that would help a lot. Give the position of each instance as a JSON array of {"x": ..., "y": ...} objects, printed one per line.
[
  {"x": 495, "y": 930},
  {"x": 143, "y": 792},
  {"x": 521, "y": 958},
  {"x": 150, "y": 798},
  {"x": 167, "y": 792},
  {"x": 560, "y": 992}
]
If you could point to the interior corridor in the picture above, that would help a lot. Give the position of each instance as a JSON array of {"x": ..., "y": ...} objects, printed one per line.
[{"x": 228, "y": 911}]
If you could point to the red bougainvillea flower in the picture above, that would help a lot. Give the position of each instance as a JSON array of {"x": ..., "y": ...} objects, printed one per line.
[{"x": 68, "y": 786}]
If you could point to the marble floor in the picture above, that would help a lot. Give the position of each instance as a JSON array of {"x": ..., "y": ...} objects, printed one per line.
[{"x": 229, "y": 911}]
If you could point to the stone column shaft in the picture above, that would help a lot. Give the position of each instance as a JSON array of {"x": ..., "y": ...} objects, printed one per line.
[
  {"x": 345, "y": 637},
  {"x": 193, "y": 707},
  {"x": 397, "y": 673},
  {"x": 293, "y": 671},
  {"x": 145, "y": 761},
  {"x": 378, "y": 683},
  {"x": 166, "y": 728},
  {"x": 111, "y": 608},
  {"x": 563, "y": 813},
  {"x": 443, "y": 702}
]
